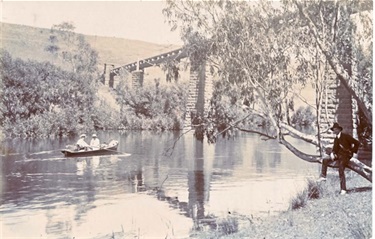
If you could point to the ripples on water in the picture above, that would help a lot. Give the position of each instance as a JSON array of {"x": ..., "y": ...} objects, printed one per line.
[{"x": 145, "y": 193}]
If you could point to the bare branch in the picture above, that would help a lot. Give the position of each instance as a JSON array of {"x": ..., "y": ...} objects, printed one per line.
[
  {"x": 169, "y": 151},
  {"x": 256, "y": 132}
]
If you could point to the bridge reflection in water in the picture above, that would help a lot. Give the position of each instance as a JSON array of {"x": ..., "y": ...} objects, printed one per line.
[{"x": 45, "y": 194}]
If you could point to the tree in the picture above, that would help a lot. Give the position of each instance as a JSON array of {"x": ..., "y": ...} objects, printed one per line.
[
  {"x": 260, "y": 48},
  {"x": 159, "y": 105},
  {"x": 72, "y": 48},
  {"x": 337, "y": 44}
]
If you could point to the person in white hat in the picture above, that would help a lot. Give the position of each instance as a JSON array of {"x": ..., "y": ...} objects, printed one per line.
[
  {"x": 95, "y": 142},
  {"x": 81, "y": 143}
]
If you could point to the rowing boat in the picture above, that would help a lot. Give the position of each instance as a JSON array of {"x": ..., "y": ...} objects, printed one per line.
[{"x": 105, "y": 149}]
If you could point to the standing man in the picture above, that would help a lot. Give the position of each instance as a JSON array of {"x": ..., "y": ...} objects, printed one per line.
[{"x": 344, "y": 146}]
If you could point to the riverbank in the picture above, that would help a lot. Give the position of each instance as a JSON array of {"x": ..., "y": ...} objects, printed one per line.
[{"x": 331, "y": 216}]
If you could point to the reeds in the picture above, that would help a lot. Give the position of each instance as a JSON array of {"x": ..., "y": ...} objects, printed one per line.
[{"x": 313, "y": 190}]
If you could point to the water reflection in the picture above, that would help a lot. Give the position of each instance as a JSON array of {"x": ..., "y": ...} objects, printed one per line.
[{"x": 45, "y": 194}]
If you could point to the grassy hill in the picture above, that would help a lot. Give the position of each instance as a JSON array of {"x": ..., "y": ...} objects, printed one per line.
[{"x": 27, "y": 42}]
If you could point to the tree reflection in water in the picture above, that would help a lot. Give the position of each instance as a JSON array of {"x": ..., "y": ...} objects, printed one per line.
[{"x": 201, "y": 181}]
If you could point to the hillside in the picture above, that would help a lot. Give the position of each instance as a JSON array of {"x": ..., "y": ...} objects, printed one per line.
[{"x": 28, "y": 42}]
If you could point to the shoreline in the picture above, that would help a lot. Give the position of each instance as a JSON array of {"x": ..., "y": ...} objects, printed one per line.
[{"x": 330, "y": 216}]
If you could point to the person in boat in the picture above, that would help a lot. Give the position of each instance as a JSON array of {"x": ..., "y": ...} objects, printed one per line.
[
  {"x": 95, "y": 142},
  {"x": 344, "y": 148},
  {"x": 81, "y": 143}
]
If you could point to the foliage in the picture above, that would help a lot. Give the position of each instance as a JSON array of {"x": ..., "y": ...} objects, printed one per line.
[
  {"x": 334, "y": 27},
  {"x": 228, "y": 225},
  {"x": 266, "y": 50},
  {"x": 104, "y": 117},
  {"x": 42, "y": 100},
  {"x": 304, "y": 116},
  {"x": 172, "y": 70},
  {"x": 312, "y": 191},
  {"x": 39, "y": 99},
  {"x": 248, "y": 48},
  {"x": 156, "y": 107}
]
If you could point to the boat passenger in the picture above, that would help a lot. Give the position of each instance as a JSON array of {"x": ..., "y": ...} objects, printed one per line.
[
  {"x": 95, "y": 142},
  {"x": 81, "y": 143}
]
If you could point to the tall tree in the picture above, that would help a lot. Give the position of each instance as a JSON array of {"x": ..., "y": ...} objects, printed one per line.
[
  {"x": 72, "y": 48},
  {"x": 337, "y": 44},
  {"x": 261, "y": 48}
]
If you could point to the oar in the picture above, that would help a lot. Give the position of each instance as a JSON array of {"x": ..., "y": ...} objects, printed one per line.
[
  {"x": 115, "y": 151},
  {"x": 111, "y": 150},
  {"x": 44, "y": 152}
]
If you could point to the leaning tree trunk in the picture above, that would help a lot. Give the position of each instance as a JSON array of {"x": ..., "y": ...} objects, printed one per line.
[
  {"x": 334, "y": 62},
  {"x": 354, "y": 164}
]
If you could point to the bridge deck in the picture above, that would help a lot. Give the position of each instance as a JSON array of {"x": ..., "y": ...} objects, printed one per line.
[{"x": 152, "y": 61}]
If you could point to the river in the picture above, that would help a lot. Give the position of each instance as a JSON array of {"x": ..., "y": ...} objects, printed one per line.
[{"x": 156, "y": 187}]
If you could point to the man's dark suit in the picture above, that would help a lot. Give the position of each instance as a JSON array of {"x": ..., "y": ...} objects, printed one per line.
[
  {"x": 343, "y": 148},
  {"x": 345, "y": 144}
]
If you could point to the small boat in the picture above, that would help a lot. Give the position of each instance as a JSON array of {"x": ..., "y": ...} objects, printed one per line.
[{"x": 105, "y": 149}]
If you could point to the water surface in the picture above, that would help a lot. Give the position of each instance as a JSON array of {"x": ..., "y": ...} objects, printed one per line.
[{"x": 161, "y": 189}]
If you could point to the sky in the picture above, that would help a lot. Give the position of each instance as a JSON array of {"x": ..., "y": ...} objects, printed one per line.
[{"x": 138, "y": 20}]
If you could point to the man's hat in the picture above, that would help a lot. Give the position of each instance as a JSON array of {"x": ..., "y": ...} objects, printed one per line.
[
  {"x": 94, "y": 135},
  {"x": 82, "y": 136},
  {"x": 336, "y": 126}
]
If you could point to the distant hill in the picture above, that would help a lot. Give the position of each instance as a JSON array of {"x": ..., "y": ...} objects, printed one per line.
[{"x": 27, "y": 42}]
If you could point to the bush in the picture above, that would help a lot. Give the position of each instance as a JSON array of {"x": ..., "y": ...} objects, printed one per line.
[
  {"x": 303, "y": 116},
  {"x": 312, "y": 191},
  {"x": 42, "y": 100},
  {"x": 228, "y": 225},
  {"x": 152, "y": 107}
]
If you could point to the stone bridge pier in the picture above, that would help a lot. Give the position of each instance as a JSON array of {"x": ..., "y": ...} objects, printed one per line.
[
  {"x": 200, "y": 93},
  {"x": 137, "y": 78},
  {"x": 339, "y": 106}
]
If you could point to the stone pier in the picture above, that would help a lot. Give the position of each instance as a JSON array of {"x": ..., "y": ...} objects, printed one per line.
[
  {"x": 137, "y": 79},
  {"x": 200, "y": 92},
  {"x": 339, "y": 106}
]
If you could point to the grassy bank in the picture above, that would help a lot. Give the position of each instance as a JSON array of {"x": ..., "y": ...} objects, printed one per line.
[
  {"x": 329, "y": 216},
  {"x": 321, "y": 213}
]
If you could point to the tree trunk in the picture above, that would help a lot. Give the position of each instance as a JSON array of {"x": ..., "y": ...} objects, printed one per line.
[
  {"x": 334, "y": 63},
  {"x": 306, "y": 137}
]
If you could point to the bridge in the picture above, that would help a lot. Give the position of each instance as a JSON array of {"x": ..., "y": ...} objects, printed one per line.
[
  {"x": 337, "y": 106},
  {"x": 151, "y": 61},
  {"x": 200, "y": 80}
]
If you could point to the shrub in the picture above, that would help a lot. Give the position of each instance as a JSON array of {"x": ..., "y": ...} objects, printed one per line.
[
  {"x": 312, "y": 191},
  {"x": 152, "y": 107},
  {"x": 228, "y": 225},
  {"x": 303, "y": 116},
  {"x": 42, "y": 100}
]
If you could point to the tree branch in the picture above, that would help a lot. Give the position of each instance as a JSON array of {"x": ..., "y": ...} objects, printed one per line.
[
  {"x": 343, "y": 76},
  {"x": 256, "y": 132},
  {"x": 354, "y": 164}
]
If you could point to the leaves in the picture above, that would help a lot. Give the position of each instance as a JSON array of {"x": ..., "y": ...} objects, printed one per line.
[
  {"x": 33, "y": 90},
  {"x": 156, "y": 106},
  {"x": 262, "y": 51}
]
